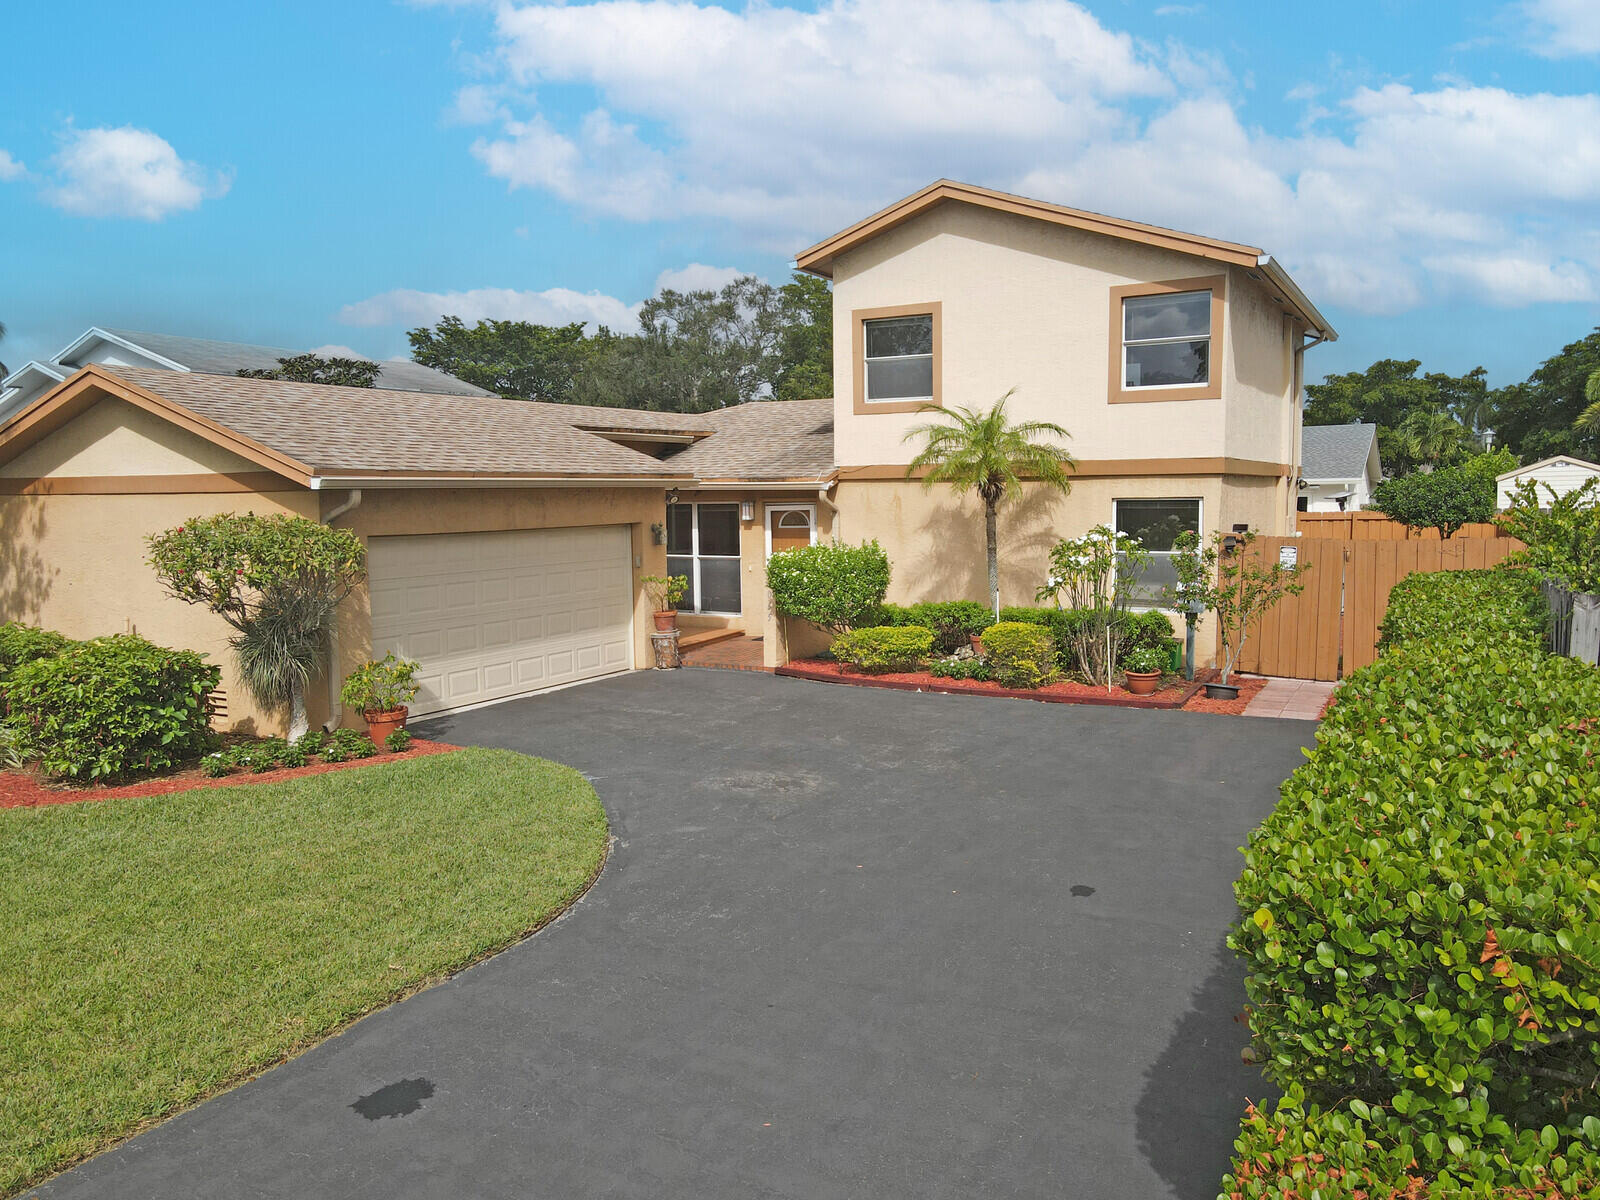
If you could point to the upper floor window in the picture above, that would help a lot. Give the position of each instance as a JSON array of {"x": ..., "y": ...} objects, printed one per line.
[
  {"x": 897, "y": 358},
  {"x": 1166, "y": 340},
  {"x": 1162, "y": 340}
]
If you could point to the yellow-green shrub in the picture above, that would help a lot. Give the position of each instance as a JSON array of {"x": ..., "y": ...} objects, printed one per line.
[
  {"x": 881, "y": 648},
  {"x": 1020, "y": 655}
]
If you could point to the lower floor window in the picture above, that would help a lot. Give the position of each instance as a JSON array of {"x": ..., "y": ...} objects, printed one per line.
[
  {"x": 1157, "y": 524},
  {"x": 703, "y": 546}
]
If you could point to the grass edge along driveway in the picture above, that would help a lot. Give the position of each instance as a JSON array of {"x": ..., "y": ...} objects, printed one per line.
[{"x": 155, "y": 951}]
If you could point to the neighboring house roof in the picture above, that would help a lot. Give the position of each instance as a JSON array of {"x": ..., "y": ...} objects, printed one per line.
[
  {"x": 818, "y": 259},
  {"x": 1338, "y": 452},
  {"x": 201, "y": 355},
  {"x": 321, "y": 435},
  {"x": 212, "y": 357},
  {"x": 1560, "y": 460}
]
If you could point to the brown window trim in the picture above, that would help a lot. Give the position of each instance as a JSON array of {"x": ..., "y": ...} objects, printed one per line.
[
  {"x": 858, "y": 323},
  {"x": 1212, "y": 388}
]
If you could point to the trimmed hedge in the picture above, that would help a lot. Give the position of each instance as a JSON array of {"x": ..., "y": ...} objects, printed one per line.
[
  {"x": 1019, "y": 655},
  {"x": 1422, "y": 925},
  {"x": 21, "y": 644},
  {"x": 880, "y": 648},
  {"x": 833, "y": 586},
  {"x": 953, "y": 621},
  {"x": 110, "y": 707},
  {"x": 1494, "y": 605}
]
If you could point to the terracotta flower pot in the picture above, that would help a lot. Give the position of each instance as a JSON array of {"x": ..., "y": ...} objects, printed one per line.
[
  {"x": 1142, "y": 683},
  {"x": 666, "y": 619},
  {"x": 381, "y": 724},
  {"x": 977, "y": 644}
]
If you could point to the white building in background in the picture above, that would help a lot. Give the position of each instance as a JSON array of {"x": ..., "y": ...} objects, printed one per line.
[
  {"x": 1562, "y": 474},
  {"x": 1339, "y": 467}
]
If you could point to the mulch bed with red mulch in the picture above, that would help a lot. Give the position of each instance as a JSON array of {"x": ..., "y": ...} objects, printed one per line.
[
  {"x": 1175, "y": 694},
  {"x": 1248, "y": 687},
  {"x": 25, "y": 789}
]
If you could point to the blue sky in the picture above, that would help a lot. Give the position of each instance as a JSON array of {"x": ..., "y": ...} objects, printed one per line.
[{"x": 330, "y": 174}]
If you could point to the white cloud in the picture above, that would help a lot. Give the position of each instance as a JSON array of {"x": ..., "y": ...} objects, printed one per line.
[
  {"x": 1563, "y": 28},
  {"x": 697, "y": 277},
  {"x": 10, "y": 168},
  {"x": 787, "y": 125},
  {"x": 554, "y": 306},
  {"x": 127, "y": 172}
]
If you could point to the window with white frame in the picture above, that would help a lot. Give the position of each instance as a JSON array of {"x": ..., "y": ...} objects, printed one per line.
[
  {"x": 1166, "y": 340},
  {"x": 1157, "y": 524},
  {"x": 899, "y": 358},
  {"x": 703, "y": 546}
]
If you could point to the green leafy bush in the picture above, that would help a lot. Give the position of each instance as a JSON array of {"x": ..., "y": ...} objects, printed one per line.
[
  {"x": 1494, "y": 605},
  {"x": 880, "y": 648},
  {"x": 1444, "y": 500},
  {"x": 953, "y": 621},
  {"x": 218, "y": 763},
  {"x": 1019, "y": 655},
  {"x": 397, "y": 741},
  {"x": 346, "y": 744},
  {"x": 113, "y": 706},
  {"x": 1145, "y": 659},
  {"x": 312, "y": 741},
  {"x": 1422, "y": 927},
  {"x": 831, "y": 585},
  {"x": 1560, "y": 532},
  {"x": 24, "y": 644},
  {"x": 960, "y": 668}
]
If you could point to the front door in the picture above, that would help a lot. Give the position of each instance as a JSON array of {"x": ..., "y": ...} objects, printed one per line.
[{"x": 790, "y": 528}]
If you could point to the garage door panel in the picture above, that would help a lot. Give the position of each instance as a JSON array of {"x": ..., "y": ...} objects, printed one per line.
[{"x": 492, "y": 615}]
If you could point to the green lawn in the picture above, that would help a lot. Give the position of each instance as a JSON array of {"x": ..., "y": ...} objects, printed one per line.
[{"x": 154, "y": 951}]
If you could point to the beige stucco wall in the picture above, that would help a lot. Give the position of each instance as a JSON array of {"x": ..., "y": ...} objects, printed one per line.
[
  {"x": 116, "y": 438},
  {"x": 1026, "y": 305}
]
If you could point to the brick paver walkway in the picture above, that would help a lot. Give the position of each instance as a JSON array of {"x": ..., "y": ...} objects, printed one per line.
[
  {"x": 742, "y": 653},
  {"x": 1297, "y": 699}
]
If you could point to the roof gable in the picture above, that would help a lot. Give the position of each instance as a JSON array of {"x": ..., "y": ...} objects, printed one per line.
[{"x": 1337, "y": 452}]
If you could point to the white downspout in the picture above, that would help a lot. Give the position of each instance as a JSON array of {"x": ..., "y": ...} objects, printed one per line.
[{"x": 335, "y": 708}]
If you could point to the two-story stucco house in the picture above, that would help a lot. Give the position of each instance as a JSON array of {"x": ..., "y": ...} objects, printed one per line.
[
  {"x": 507, "y": 541},
  {"x": 1174, "y": 361}
]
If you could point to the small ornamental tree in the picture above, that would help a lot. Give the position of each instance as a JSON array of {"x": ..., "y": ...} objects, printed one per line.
[
  {"x": 1094, "y": 576},
  {"x": 1443, "y": 500},
  {"x": 833, "y": 586},
  {"x": 1223, "y": 576},
  {"x": 277, "y": 580},
  {"x": 1561, "y": 533}
]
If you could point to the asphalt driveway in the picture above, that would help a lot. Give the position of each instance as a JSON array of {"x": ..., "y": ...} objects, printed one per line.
[{"x": 850, "y": 943}]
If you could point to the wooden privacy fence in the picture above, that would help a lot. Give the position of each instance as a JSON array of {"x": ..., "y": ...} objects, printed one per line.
[
  {"x": 1375, "y": 527},
  {"x": 1331, "y": 628}
]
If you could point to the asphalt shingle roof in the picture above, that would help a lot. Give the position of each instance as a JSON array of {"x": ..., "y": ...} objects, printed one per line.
[
  {"x": 224, "y": 358},
  {"x": 362, "y": 430},
  {"x": 1335, "y": 451}
]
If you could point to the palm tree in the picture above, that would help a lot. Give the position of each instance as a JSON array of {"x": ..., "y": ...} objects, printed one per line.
[
  {"x": 981, "y": 452},
  {"x": 1589, "y": 419},
  {"x": 1432, "y": 437}
]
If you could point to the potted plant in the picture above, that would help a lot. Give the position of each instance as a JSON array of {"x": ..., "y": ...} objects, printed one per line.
[
  {"x": 665, "y": 591},
  {"x": 1142, "y": 667},
  {"x": 380, "y": 691}
]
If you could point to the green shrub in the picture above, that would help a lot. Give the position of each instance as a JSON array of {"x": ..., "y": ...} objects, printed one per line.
[
  {"x": 831, "y": 585},
  {"x": 1494, "y": 605},
  {"x": 112, "y": 706},
  {"x": 1146, "y": 630},
  {"x": 953, "y": 621},
  {"x": 311, "y": 742},
  {"x": 346, "y": 744},
  {"x": 960, "y": 668},
  {"x": 24, "y": 644},
  {"x": 397, "y": 741},
  {"x": 880, "y": 648},
  {"x": 1422, "y": 926},
  {"x": 381, "y": 686},
  {"x": 1144, "y": 659},
  {"x": 1019, "y": 654},
  {"x": 218, "y": 763},
  {"x": 1444, "y": 500}
]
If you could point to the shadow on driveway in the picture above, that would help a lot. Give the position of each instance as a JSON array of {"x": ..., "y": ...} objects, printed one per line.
[{"x": 850, "y": 943}]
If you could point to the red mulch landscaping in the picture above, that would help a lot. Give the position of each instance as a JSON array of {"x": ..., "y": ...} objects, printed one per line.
[
  {"x": 1248, "y": 687},
  {"x": 24, "y": 789},
  {"x": 824, "y": 670}
]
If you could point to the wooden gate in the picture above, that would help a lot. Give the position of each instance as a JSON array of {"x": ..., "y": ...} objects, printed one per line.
[{"x": 1331, "y": 628}]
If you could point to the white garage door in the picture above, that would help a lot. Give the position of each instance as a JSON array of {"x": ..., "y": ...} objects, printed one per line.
[{"x": 491, "y": 615}]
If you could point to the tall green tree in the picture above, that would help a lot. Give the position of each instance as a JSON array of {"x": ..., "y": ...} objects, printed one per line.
[
  {"x": 1589, "y": 419},
  {"x": 1536, "y": 418},
  {"x": 1448, "y": 414},
  {"x": 517, "y": 359},
  {"x": 983, "y": 452},
  {"x": 804, "y": 367},
  {"x": 313, "y": 368}
]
